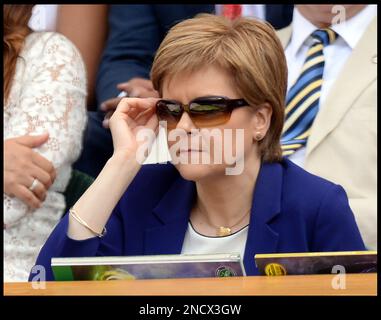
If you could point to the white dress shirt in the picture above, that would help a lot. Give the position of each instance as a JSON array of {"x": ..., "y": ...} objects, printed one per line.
[{"x": 336, "y": 54}]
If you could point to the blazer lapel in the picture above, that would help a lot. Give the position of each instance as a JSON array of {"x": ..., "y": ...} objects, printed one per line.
[
  {"x": 172, "y": 214},
  {"x": 266, "y": 206},
  {"x": 357, "y": 73}
]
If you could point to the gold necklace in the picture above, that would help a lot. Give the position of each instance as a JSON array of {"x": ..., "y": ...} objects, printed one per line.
[{"x": 225, "y": 231}]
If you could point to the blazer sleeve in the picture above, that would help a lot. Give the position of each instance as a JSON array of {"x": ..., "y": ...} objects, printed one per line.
[
  {"x": 335, "y": 226},
  {"x": 59, "y": 245},
  {"x": 134, "y": 36}
]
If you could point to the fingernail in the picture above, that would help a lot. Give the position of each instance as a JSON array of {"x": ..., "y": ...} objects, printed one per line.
[
  {"x": 103, "y": 106},
  {"x": 105, "y": 123}
]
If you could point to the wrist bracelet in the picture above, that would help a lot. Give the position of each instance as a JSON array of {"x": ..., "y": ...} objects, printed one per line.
[{"x": 83, "y": 223}]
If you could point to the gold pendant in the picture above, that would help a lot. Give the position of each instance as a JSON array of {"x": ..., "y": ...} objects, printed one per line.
[{"x": 222, "y": 231}]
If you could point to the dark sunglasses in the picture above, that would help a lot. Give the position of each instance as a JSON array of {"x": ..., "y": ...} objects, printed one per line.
[{"x": 204, "y": 111}]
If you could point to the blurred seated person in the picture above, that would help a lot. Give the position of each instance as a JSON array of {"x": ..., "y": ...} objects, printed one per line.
[
  {"x": 211, "y": 79},
  {"x": 86, "y": 26},
  {"x": 44, "y": 119},
  {"x": 331, "y": 128},
  {"x": 135, "y": 34}
]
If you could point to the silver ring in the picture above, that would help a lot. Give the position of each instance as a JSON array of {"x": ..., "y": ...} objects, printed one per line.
[{"x": 34, "y": 184}]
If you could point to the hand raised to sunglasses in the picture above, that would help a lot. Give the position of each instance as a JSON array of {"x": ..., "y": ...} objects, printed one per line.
[{"x": 131, "y": 116}]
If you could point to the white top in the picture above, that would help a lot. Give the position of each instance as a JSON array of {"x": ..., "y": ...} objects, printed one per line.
[
  {"x": 44, "y": 17},
  {"x": 336, "y": 54},
  {"x": 48, "y": 94},
  {"x": 196, "y": 243}
]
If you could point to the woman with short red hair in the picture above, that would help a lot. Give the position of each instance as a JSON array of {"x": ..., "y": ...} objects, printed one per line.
[{"x": 221, "y": 77}]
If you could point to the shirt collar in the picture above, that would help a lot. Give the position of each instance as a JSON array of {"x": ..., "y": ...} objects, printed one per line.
[
  {"x": 301, "y": 30},
  {"x": 351, "y": 31}
]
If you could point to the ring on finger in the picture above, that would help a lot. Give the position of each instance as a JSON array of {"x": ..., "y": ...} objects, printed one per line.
[{"x": 34, "y": 184}]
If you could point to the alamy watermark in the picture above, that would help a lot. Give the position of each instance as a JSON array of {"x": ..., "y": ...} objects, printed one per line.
[
  {"x": 39, "y": 278},
  {"x": 339, "y": 281},
  {"x": 340, "y": 17}
]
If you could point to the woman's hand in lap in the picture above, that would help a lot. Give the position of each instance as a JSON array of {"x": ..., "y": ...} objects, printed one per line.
[{"x": 22, "y": 165}]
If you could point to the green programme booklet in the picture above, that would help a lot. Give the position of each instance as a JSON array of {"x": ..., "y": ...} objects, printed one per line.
[{"x": 148, "y": 267}]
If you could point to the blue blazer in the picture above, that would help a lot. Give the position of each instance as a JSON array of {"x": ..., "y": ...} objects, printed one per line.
[
  {"x": 136, "y": 31},
  {"x": 292, "y": 211}
]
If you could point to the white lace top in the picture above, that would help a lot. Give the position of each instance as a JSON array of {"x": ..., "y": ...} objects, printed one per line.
[{"x": 48, "y": 94}]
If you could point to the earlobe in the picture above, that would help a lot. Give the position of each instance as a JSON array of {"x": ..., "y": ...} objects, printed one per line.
[{"x": 262, "y": 119}]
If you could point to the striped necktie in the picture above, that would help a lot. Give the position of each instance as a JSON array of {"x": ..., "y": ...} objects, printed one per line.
[{"x": 302, "y": 103}]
